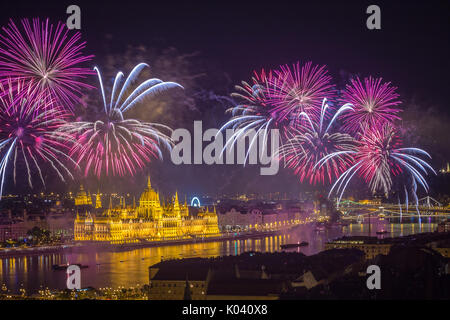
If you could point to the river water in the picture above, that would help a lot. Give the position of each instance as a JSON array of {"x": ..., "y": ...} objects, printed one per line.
[{"x": 129, "y": 268}]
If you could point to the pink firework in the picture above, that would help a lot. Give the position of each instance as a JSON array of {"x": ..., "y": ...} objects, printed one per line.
[
  {"x": 113, "y": 144},
  {"x": 374, "y": 103},
  {"x": 378, "y": 159},
  {"x": 375, "y": 152},
  {"x": 116, "y": 146},
  {"x": 300, "y": 89},
  {"x": 46, "y": 56},
  {"x": 252, "y": 111},
  {"x": 254, "y": 95},
  {"x": 314, "y": 141},
  {"x": 27, "y": 133}
]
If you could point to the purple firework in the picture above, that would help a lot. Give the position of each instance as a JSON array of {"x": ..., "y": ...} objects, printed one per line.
[
  {"x": 47, "y": 57},
  {"x": 300, "y": 89},
  {"x": 379, "y": 158},
  {"x": 252, "y": 112},
  {"x": 315, "y": 141},
  {"x": 374, "y": 104},
  {"x": 113, "y": 144},
  {"x": 28, "y": 133}
]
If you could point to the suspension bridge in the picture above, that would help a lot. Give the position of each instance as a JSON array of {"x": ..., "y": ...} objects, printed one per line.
[{"x": 426, "y": 206}]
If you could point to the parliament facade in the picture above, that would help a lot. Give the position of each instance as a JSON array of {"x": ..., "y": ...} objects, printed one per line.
[{"x": 150, "y": 220}]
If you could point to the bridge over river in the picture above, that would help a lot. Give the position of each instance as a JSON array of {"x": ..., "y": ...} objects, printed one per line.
[{"x": 426, "y": 207}]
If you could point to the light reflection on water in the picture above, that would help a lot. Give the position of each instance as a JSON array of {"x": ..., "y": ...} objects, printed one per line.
[{"x": 128, "y": 268}]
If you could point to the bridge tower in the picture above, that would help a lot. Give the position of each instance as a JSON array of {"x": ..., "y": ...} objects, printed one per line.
[{"x": 430, "y": 202}]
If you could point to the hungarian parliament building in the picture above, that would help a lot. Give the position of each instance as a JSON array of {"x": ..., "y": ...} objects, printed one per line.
[{"x": 148, "y": 221}]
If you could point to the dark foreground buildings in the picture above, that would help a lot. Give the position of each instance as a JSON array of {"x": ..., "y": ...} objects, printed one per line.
[{"x": 411, "y": 269}]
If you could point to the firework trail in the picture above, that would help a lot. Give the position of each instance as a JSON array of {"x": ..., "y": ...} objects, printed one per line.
[
  {"x": 253, "y": 110},
  {"x": 299, "y": 89},
  {"x": 375, "y": 104},
  {"x": 27, "y": 132},
  {"x": 379, "y": 158},
  {"x": 315, "y": 141},
  {"x": 46, "y": 56},
  {"x": 113, "y": 144}
]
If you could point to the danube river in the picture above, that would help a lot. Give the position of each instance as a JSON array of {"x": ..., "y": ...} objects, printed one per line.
[{"x": 129, "y": 268}]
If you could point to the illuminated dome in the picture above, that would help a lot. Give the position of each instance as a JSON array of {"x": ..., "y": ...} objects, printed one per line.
[
  {"x": 82, "y": 198},
  {"x": 149, "y": 197}
]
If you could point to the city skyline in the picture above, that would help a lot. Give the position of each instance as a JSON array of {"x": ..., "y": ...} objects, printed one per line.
[
  {"x": 237, "y": 151},
  {"x": 212, "y": 110}
]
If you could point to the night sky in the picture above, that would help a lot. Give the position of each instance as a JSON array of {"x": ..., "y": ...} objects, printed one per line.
[{"x": 231, "y": 39}]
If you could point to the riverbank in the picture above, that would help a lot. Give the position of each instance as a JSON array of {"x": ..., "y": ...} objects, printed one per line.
[
  {"x": 34, "y": 251},
  {"x": 80, "y": 247},
  {"x": 129, "y": 267},
  {"x": 174, "y": 242}
]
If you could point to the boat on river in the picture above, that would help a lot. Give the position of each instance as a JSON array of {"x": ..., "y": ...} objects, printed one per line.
[
  {"x": 58, "y": 267},
  {"x": 294, "y": 245}
]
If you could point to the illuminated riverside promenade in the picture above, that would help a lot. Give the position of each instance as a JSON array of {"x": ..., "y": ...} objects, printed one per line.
[
  {"x": 129, "y": 268},
  {"x": 132, "y": 245}
]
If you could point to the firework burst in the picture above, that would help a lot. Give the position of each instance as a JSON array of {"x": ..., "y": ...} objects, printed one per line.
[
  {"x": 313, "y": 142},
  {"x": 378, "y": 159},
  {"x": 374, "y": 103},
  {"x": 252, "y": 111},
  {"x": 27, "y": 132},
  {"x": 47, "y": 57},
  {"x": 113, "y": 144},
  {"x": 299, "y": 89}
]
